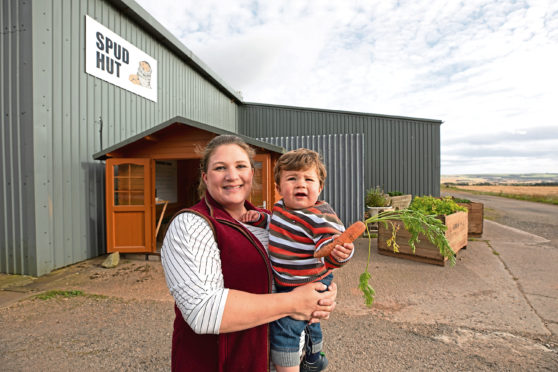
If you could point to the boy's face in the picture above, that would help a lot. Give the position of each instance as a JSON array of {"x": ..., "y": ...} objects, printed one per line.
[{"x": 299, "y": 188}]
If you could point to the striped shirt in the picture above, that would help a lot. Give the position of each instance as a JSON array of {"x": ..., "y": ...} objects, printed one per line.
[
  {"x": 192, "y": 264},
  {"x": 294, "y": 236}
]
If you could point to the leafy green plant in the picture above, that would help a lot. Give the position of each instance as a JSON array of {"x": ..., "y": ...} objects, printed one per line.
[
  {"x": 417, "y": 223},
  {"x": 435, "y": 206},
  {"x": 376, "y": 197},
  {"x": 395, "y": 193},
  {"x": 459, "y": 200}
]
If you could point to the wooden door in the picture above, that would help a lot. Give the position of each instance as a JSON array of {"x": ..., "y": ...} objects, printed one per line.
[
  {"x": 130, "y": 205},
  {"x": 261, "y": 189}
]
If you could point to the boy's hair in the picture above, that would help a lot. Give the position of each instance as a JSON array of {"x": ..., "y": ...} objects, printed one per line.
[{"x": 300, "y": 159}]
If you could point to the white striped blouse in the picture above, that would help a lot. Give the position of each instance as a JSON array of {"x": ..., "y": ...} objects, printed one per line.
[{"x": 192, "y": 265}]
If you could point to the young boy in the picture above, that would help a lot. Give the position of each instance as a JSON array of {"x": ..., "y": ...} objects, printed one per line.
[{"x": 299, "y": 226}]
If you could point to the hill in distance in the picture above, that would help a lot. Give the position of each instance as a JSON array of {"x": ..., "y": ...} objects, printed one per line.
[{"x": 502, "y": 179}]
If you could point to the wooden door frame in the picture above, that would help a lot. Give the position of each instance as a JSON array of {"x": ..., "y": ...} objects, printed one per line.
[
  {"x": 148, "y": 207},
  {"x": 267, "y": 181}
]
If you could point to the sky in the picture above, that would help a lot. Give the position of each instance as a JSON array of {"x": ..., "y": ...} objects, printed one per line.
[{"x": 487, "y": 68}]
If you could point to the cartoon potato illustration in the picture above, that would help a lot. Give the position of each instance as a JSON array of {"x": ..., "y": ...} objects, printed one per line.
[
  {"x": 134, "y": 79},
  {"x": 144, "y": 74},
  {"x": 143, "y": 77}
]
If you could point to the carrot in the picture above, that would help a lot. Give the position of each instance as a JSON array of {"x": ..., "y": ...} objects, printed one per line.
[{"x": 348, "y": 236}]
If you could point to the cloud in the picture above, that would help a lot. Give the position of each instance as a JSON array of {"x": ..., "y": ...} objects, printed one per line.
[
  {"x": 486, "y": 68},
  {"x": 512, "y": 137},
  {"x": 496, "y": 165},
  {"x": 531, "y": 150},
  {"x": 544, "y": 150}
]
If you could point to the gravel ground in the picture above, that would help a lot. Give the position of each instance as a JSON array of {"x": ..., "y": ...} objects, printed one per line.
[
  {"x": 86, "y": 333},
  {"x": 95, "y": 333},
  {"x": 370, "y": 343}
]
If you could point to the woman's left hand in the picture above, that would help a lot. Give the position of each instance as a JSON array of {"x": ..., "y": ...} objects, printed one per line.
[{"x": 328, "y": 301}]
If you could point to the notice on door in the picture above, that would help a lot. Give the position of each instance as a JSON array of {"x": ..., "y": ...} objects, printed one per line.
[{"x": 113, "y": 59}]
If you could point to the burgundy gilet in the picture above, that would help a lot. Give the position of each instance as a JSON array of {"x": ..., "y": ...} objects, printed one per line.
[{"x": 245, "y": 267}]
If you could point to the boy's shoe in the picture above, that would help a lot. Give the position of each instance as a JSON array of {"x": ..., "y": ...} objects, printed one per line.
[{"x": 317, "y": 366}]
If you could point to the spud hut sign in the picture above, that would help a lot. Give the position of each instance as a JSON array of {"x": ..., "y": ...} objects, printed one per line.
[{"x": 111, "y": 58}]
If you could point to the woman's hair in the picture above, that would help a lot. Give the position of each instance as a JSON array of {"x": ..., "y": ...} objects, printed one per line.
[
  {"x": 224, "y": 139},
  {"x": 300, "y": 159}
]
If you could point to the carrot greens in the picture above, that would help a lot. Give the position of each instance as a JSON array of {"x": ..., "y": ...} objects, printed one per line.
[{"x": 418, "y": 224}]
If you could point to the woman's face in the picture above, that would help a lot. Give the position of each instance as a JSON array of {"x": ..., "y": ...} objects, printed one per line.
[{"x": 229, "y": 176}]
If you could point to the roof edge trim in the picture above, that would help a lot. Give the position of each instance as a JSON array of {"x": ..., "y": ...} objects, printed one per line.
[{"x": 434, "y": 121}]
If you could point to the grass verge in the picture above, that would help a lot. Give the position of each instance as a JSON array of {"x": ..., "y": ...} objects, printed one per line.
[{"x": 66, "y": 294}]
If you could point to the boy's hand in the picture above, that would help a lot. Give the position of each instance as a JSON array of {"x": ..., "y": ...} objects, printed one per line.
[
  {"x": 250, "y": 216},
  {"x": 342, "y": 252}
]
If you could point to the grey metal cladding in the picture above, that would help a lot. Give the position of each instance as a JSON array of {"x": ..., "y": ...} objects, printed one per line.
[
  {"x": 342, "y": 155},
  {"x": 52, "y": 192},
  {"x": 400, "y": 153},
  {"x": 17, "y": 222}
]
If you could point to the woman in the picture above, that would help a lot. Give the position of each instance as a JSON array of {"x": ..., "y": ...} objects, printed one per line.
[{"x": 219, "y": 273}]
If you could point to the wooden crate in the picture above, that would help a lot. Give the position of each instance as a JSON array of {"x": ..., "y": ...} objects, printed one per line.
[
  {"x": 425, "y": 251},
  {"x": 476, "y": 218},
  {"x": 401, "y": 201}
]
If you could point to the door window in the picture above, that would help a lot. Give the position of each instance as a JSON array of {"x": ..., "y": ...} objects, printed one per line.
[{"x": 128, "y": 184}]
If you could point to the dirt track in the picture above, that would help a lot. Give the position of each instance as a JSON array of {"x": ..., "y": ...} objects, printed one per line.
[{"x": 536, "y": 218}]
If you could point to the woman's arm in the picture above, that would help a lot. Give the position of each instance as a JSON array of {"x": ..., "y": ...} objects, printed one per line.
[
  {"x": 246, "y": 310},
  {"x": 192, "y": 265}
]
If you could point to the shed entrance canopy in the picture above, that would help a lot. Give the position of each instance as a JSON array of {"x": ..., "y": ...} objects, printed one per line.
[{"x": 154, "y": 174}]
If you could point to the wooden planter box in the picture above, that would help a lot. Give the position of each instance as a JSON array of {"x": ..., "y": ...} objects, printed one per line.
[
  {"x": 425, "y": 251},
  {"x": 371, "y": 212},
  {"x": 476, "y": 218},
  {"x": 401, "y": 201}
]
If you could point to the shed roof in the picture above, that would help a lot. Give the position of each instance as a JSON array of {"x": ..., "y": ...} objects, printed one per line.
[{"x": 103, "y": 155}]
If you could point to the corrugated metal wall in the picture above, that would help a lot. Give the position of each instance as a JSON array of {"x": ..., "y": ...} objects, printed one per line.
[
  {"x": 342, "y": 155},
  {"x": 17, "y": 224},
  {"x": 63, "y": 133},
  {"x": 400, "y": 154}
]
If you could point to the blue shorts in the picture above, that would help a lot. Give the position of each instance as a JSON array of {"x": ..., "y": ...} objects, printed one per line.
[{"x": 285, "y": 334}]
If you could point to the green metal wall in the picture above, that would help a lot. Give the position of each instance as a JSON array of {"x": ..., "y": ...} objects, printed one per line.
[
  {"x": 53, "y": 192},
  {"x": 400, "y": 154}
]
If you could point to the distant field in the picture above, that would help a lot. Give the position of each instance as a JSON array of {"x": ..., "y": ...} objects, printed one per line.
[
  {"x": 518, "y": 190},
  {"x": 541, "y": 194},
  {"x": 500, "y": 179}
]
